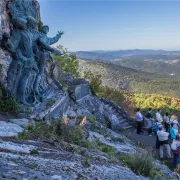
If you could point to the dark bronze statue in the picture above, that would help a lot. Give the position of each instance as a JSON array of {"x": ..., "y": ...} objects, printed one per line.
[
  {"x": 30, "y": 51},
  {"x": 46, "y": 56}
]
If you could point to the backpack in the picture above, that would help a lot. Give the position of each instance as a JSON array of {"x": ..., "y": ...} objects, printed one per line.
[{"x": 173, "y": 145}]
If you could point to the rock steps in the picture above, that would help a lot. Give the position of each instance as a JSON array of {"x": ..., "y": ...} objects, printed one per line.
[{"x": 120, "y": 113}]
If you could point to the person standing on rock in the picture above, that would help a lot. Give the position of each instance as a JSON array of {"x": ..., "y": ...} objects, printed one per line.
[
  {"x": 139, "y": 119},
  {"x": 163, "y": 142}
]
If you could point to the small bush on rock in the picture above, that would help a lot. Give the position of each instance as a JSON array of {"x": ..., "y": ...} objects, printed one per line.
[
  {"x": 142, "y": 164},
  {"x": 55, "y": 129},
  {"x": 139, "y": 163},
  {"x": 9, "y": 105}
]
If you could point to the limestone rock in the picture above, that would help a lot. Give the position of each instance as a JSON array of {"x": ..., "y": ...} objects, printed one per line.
[
  {"x": 22, "y": 122},
  {"x": 121, "y": 147},
  {"x": 83, "y": 112},
  {"x": 78, "y": 92},
  {"x": 53, "y": 108},
  {"x": 9, "y": 129}
]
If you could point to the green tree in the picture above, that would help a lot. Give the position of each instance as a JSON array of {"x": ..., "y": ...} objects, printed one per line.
[{"x": 68, "y": 62}]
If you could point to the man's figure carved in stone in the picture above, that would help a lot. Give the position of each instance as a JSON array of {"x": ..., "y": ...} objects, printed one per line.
[
  {"x": 45, "y": 56},
  {"x": 25, "y": 43},
  {"x": 21, "y": 45}
]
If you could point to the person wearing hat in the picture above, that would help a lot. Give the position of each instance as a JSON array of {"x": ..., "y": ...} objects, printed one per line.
[
  {"x": 164, "y": 142},
  {"x": 175, "y": 122}
]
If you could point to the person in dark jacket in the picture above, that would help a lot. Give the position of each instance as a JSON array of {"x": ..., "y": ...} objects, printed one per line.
[
  {"x": 166, "y": 122},
  {"x": 150, "y": 121}
]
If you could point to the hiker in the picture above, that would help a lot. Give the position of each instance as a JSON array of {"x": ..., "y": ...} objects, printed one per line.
[
  {"x": 155, "y": 129},
  {"x": 158, "y": 116},
  {"x": 150, "y": 121},
  {"x": 175, "y": 122},
  {"x": 175, "y": 146},
  {"x": 139, "y": 119},
  {"x": 173, "y": 132},
  {"x": 166, "y": 122},
  {"x": 164, "y": 142}
]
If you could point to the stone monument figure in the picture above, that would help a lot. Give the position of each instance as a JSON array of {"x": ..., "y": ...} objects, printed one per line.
[
  {"x": 29, "y": 76},
  {"x": 45, "y": 56},
  {"x": 30, "y": 52},
  {"x": 20, "y": 44}
]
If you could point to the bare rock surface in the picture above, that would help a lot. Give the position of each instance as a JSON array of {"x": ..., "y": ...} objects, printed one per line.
[
  {"x": 120, "y": 144},
  {"x": 57, "y": 165},
  {"x": 22, "y": 122},
  {"x": 9, "y": 129}
]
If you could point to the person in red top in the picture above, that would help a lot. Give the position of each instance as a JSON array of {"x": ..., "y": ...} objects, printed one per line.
[{"x": 176, "y": 152}]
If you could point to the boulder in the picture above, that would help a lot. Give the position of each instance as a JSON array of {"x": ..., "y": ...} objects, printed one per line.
[
  {"x": 9, "y": 129},
  {"x": 22, "y": 122},
  {"x": 115, "y": 124},
  {"x": 121, "y": 147},
  {"x": 53, "y": 108},
  {"x": 84, "y": 112},
  {"x": 78, "y": 92}
]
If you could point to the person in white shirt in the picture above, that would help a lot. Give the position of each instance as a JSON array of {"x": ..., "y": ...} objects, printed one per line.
[
  {"x": 164, "y": 142},
  {"x": 139, "y": 120},
  {"x": 175, "y": 122},
  {"x": 158, "y": 116}
]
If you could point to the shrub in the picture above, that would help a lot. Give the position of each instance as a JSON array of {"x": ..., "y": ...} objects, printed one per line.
[
  {"x": 87, "y": 144},
  {"x": 69, "y": 133},
  {"x": 9, "y": 105},
  {"x": 56, "y": 129},
  {"x": 95, "y": 81},
  {"x": 108, "y": 149},
  {"x": 34, "y": 152},
  {"x": 116, "y": 139},
  {"x": 139, "y": 163},
  {"x": 91, "y": 119},
  {"x": 86, "y": 162},
  {"x": 68, "y": 63},
  {"x": 51, "y": 102}
]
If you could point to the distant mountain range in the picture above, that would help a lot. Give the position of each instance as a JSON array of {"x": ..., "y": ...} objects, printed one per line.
[
  {"x": 128, "y": 54},
  {"x": 153, "y": 61}
]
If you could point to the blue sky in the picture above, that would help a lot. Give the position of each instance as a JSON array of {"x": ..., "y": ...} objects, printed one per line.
[{"x": 112, "y": 25}]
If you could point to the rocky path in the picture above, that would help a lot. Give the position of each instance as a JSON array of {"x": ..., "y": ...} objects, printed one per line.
[
  {"x": 120, "y": 118},
  {"x": 50, "y": 159},
  {"x": 143, "y": 139}
]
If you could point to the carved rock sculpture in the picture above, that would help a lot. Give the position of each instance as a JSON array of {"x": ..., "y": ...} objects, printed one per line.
[{"x": 30, "y": 50}]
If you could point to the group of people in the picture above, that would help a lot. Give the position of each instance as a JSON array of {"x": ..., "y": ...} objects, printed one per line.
[{"x": 166, "y": 130}]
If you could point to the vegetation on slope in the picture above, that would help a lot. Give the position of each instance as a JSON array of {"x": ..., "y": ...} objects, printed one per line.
[
  {"x": 132, "y": 80},
  {"x": 133, "y": 100},
  {"x": 67, "y": 63}
]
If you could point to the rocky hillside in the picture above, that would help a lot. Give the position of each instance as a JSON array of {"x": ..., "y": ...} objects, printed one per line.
[
  {"x": 75, "y": 147},
  {"x": 132, "y": 80},
  {"x": 100, "y": 157}
]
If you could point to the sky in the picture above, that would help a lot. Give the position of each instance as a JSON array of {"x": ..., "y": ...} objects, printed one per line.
[{"x": 113, "y": 25}]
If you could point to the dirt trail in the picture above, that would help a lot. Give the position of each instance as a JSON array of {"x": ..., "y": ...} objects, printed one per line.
[{"x": 144, "y": 139}]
